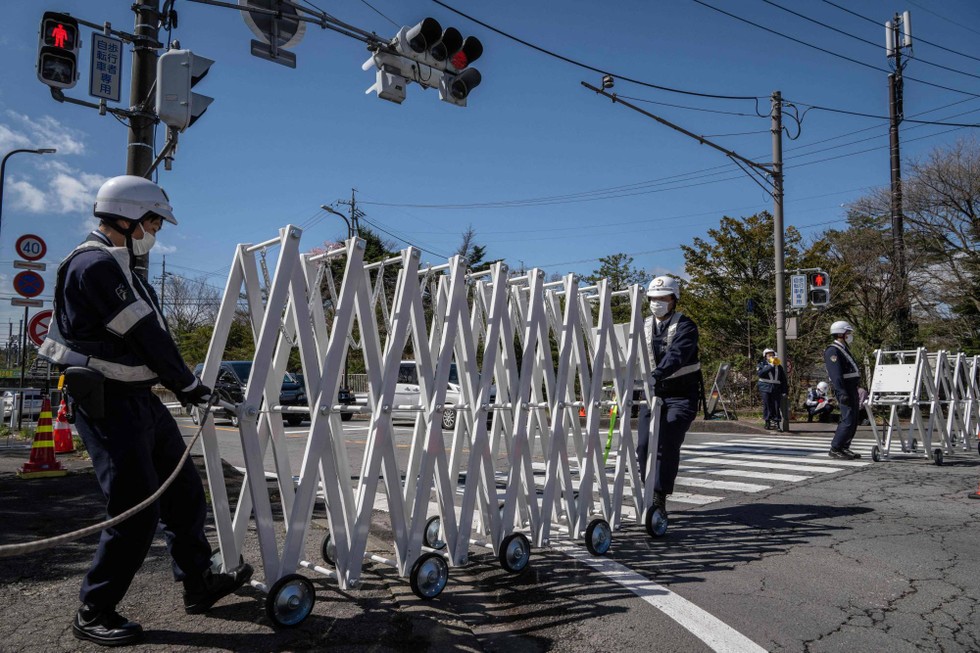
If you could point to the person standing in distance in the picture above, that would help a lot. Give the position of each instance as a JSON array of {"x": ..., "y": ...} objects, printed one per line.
[
  {"x": 672, "y": 340},
  {"x": 110, "y": 339},
  {"x": 845, "y": 377},
  {"x": 772, "y": 386}
]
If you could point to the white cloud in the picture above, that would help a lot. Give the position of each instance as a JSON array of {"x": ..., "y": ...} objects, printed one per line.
[
  {"x": 75, "y": 192},
  {"x": 27, "y": 196},
  {"x": 12, "y": 140},
  {"x": 160, "y": 248},
  {"x": 46, "y": 132}
]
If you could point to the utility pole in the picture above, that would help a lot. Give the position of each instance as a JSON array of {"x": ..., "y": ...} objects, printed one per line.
[
  {"x": 898, "y": 35},
  {"x": 141, "y": 148},
  {"x": 777, "y": 233},
  {"x": 163, "y": 286},
  {"x": 355, "y": 213}
]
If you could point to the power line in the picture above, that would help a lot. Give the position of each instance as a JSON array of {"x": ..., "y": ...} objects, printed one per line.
[
  {"x": 941, "y": 17},
  {"x": 407, "y": 242},
  {"x": 917, "y": 38},
  {"x": 825, "y": 51},
  {"x": 864, "y": 40},
  {"x": 585, "y": 66}
]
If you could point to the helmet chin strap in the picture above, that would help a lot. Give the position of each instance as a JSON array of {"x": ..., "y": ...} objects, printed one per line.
[{"x": 128, "y": 233}]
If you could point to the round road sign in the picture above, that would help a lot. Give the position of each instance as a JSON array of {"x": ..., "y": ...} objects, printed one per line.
[
  {"x": 29, "y": 283},
  {"x": 291, "y": 28},
  {"x": 31, "y": 247},
  {"x": 37, "y": 328}
]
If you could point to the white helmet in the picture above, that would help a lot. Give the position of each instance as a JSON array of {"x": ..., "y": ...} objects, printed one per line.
[
  {"x": 822, "y": 386},
  {"x": 840, "y": 327},
  {"x": 766, "y": 352},
  {"x": 663, "y": 287},
  {"x": 132, "y": 198}
]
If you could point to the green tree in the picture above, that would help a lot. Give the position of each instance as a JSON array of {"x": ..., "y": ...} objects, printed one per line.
[{"x": 621, "y": 273}]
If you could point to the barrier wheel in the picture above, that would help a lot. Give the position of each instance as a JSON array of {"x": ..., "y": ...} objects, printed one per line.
[
  {"x": 937, "y": 457},
  {"x": 515, "y": 553},
  {"x": 431, "y": 533},
  {"x": 598, "y": 537},
  {"x": 290, "y": 600},
  {"x": 449, "y": 419},
  {"x": 429, "y": 575},
  {"x": 875, "y": 454},
  {"x": 328, "y": 550},
  {"x": 656, "y": 522}
]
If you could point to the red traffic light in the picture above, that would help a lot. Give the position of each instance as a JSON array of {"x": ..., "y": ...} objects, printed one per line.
[
  {"x": 819, "y": 280},
  {"x": 60, "y": 31}
]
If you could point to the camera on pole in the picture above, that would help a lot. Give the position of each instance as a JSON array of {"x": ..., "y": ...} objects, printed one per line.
[{"x": 58, "y": 45}]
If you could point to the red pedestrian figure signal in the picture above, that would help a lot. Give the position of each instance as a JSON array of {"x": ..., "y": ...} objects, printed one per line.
[
  {"x": 819, "y": 289},
  {"x": 59, "y": 34}
]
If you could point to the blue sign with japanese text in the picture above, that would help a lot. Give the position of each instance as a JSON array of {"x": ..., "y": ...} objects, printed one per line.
[{"x": 105, "y": 78}]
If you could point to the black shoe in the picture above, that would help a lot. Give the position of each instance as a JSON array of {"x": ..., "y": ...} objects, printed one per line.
[
  {"x": 203, "y": 592},
  {"x": 839, "y": 454},
  {"x": 850, "y": 454},
  {"x": 660, "y": 502},
  {"x": 105, "y": 627}
]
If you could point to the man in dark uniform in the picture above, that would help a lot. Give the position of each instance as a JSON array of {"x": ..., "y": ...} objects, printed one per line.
[
  {"x": 772, "y": 386},
  {"x": 672, "y": 339},
  {"x": 108, "y": 322},
  {"x": 845, "y": 377}
]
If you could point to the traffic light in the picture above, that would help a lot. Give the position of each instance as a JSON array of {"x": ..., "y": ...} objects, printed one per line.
[
  {"x": 431, "y": 56},
  {"x": 57, "y": 56},
  {"x": 177, "y": 73},
  {"x": 819, "y": 283}
]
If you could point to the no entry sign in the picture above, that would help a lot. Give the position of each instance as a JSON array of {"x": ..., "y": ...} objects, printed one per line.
[{"x": 37, "y": 328}]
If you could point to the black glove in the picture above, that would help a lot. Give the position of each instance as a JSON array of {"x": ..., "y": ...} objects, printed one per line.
[{"x": 198, "y": 394}]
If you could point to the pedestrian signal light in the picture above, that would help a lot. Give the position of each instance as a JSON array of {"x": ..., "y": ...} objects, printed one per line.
[
  {"x": 58, "y": 45},
  {"x": 819, "y": 283}
]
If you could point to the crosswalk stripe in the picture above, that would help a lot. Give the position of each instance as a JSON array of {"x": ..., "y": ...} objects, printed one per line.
[
  {"x": 720, "y": 485},
  {"x": 718, "y": 460},
  {"x": 820, "y": 443},
  {"x": 778, "y": 455},
  {"x": 743, "y": 473}
]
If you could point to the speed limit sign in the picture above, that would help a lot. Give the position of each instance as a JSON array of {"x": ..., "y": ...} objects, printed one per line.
[{"x": 31, "y": 247}]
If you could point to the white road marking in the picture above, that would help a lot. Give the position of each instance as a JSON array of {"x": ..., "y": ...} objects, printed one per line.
[
  {"x": 719, "y": 460},
  {"x": 715, "y": 633},
  {"x": 743, "y": 473},
  {"x": 720, "y": 485}
]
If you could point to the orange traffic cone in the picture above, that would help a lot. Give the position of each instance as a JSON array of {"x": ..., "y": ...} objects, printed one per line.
[
  {"x": 63, "y": 440},
  {"x": 42, "y": 461},
  {"x": 581, "y": 411},
  {"x": 975, "y": 495}
]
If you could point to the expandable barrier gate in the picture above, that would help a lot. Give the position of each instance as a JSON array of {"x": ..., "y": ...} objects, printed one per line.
[
  {"x": 518, "y": 414},
  {"x": 942, "y": 392}
]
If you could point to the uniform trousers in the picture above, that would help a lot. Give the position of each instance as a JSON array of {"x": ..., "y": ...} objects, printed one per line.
[
  {"x": 676, "y": 416},
  {"x": 134, "y": 448},
  {"x": 770, "y": 407},
  {"x": 850, "y": 415}
]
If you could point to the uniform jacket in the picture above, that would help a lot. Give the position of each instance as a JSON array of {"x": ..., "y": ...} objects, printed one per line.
[
  {"x": 842, "y": 370},
  {"x": 674, "y": 353},
  {"x": 772, "y": 378},
  {"x": 108, "y": 319}
]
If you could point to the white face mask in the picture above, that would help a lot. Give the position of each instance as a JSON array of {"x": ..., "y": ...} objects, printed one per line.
[
  {"x": 659, "y": 308},
  {"x": 849, "y": 338},
  {"x": 144, "y": 244}
]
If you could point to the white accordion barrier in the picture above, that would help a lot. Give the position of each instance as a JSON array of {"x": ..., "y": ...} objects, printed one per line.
[
  {"x": 520, "y": 465},
  {"x": 941, "y": 393}
]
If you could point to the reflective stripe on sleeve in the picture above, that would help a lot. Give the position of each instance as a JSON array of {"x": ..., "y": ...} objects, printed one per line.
[{"x": 127, "y": 318}]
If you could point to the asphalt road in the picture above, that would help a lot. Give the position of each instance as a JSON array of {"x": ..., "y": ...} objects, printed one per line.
[{"x": 772, "y": 546}]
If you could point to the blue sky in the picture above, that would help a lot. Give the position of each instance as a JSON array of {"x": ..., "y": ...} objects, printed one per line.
[{"x": 545, "y": 171}]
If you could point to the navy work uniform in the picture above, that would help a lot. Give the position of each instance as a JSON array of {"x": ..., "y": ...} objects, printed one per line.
[
  {"x": 673, "y": 345},
  {"x": 845, "y": 377},
  {"x": 772, "y": 380},
  {"x": 106, "y": 318}
]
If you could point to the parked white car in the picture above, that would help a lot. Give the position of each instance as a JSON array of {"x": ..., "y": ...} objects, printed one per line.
[
  {"x": 407, "y": 394},
  {"x": 32, "y": 402}
]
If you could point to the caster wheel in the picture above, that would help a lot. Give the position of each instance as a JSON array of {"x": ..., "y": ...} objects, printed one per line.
[
  {"x": 431, "y": 534},
  {"x": 656, "y": 522},
  {"x": 515, "y": 553},
  {"x": 598, "y": 537},
  {"x": 875, "y": 454},
  {"x": 328, "y": 550},
  {"x": 290, "y": 601},
  {"x": 429, "y": 575},
  {"x": 937, "y": 457}
]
